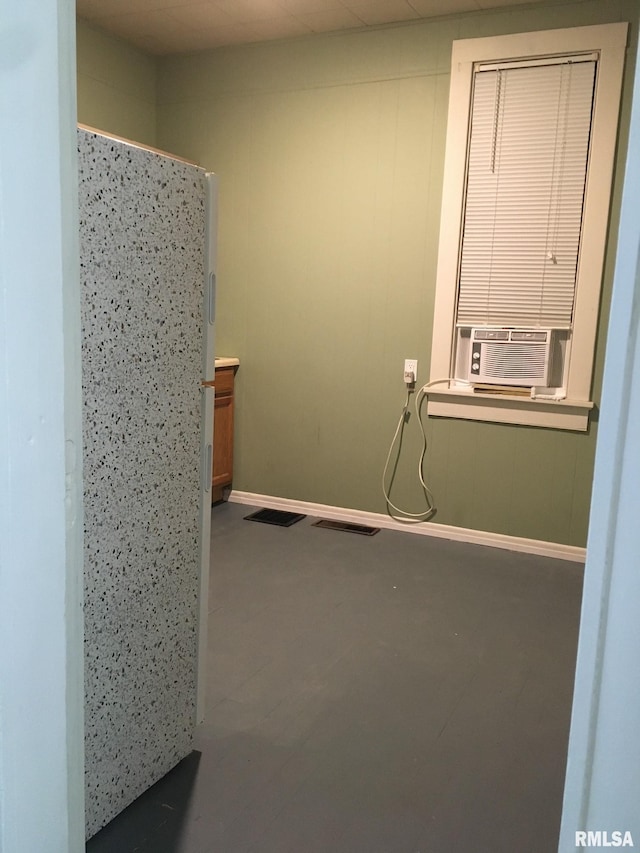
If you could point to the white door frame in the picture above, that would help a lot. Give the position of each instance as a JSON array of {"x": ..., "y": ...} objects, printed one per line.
[
  {"x": 41, "y": 649},
  {"x": 602, "y": 787}
]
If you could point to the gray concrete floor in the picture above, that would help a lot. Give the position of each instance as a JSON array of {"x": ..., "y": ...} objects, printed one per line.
[{"x": 385, "y": 694}]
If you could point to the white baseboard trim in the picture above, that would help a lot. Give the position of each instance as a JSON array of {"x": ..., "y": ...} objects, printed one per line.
[{"x": 423, "y": 528}]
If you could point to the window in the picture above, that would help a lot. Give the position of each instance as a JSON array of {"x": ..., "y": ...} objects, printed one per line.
[{"x": 528, "y": 169}]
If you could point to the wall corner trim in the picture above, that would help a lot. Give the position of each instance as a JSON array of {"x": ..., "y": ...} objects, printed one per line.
[{"x": 424, "y": 528}]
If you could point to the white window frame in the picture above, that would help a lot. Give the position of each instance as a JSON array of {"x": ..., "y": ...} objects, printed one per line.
[{"x": 609, "y": 40}]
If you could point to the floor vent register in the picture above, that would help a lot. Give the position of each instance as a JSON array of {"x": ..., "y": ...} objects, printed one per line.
[
  {"x": 346, "y": 526},
  {"x": 275, "y": 516}
]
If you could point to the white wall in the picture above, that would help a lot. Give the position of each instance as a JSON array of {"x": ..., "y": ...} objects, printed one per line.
[{"x": 41, "y": 716}]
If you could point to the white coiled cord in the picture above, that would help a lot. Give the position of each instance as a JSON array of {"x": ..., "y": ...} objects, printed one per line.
[{"x": 403, "y": 514}]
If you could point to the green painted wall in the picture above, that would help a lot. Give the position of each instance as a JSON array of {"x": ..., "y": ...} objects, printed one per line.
[
  {"x": 330, "y": 156},
  {"x": 116, "y": 86}
]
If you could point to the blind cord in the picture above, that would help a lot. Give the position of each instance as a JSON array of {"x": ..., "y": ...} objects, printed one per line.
[{"x": 403, "y": 514}]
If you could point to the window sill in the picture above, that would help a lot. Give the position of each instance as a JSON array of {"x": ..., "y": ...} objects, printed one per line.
[{"x": 556, "y": 414}]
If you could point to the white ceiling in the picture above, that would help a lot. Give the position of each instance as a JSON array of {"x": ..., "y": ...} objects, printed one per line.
[{"x": 178, "y": 26}]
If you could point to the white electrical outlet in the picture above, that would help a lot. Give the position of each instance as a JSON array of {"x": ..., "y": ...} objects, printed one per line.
[{"x": 410, "y": 368}]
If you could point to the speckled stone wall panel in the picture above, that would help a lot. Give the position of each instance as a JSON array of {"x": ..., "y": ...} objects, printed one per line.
[{"x": 142, "y": 228}]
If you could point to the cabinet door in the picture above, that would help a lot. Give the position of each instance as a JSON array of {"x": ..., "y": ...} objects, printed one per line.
[{"x": 223, "y": 440}]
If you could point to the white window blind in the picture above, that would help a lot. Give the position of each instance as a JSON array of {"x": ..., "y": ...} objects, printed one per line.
[{"x": 526, "y": 172}]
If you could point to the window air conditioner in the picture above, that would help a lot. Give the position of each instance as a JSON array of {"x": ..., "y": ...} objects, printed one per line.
[{"x": 510, "y": 356}]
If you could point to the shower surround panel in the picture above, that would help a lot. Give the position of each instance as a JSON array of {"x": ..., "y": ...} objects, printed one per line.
[{"x": 142, "y": 250}]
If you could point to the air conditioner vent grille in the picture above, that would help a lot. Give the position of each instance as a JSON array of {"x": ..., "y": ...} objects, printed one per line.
[{"x": 515, "y": 361}]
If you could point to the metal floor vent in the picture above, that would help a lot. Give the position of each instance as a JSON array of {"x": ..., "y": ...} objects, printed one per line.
[
  {"x": 346, "y": 526},
  {"x": 275, "y": 516}
]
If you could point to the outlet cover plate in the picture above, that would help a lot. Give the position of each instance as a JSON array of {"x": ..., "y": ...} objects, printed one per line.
[{"x": 411, "y": 366}]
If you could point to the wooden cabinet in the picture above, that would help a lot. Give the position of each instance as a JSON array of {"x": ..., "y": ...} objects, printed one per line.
[{"x": 222, "y": 431}]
